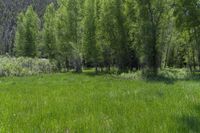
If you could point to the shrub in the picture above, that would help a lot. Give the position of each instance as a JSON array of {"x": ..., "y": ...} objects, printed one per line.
[
  {"x": 11, "y": 66},
  {"x": 132, "y": 75},
  {"x": 167, "y": 73},
  {"x": 172, "y": 73}
]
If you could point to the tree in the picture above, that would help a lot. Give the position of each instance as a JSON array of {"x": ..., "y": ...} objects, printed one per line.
[
  {"x": 150, "y": 15},
  {"x": 74, "y": 29},
  {"x": 69, "y": 33},
  {"x": 27, "y": 34},
  {"x": 105, "y": 32},
  {"x": 9, "y": 10},
  {"x": 91, "y": 51},
  {"x": 64, "y": 49},
  {"x": 49, "y": 32},
  {"x": 20, "y": 35},
  {"x": 122, "y": 47},
  {"x": 132, "y": 29},
  {"x": 187, "y": 14},
  {"x": 125, "y": 34}
]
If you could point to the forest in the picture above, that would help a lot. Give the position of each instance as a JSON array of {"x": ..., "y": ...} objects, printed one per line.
[
  {"x": 124, "y": 34},
  {"x": 100, "y": 66}
]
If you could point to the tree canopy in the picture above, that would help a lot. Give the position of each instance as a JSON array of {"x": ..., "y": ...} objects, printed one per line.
[{"x": 125, "y": 34}]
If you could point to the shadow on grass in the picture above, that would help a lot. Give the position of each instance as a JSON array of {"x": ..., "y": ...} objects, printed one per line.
[
  {"x": 190, "y": 123},
  {"x": 117, "y": 76},
  {"x": 194, "y": 77},
  {"x": 94, "y": 74},
  {"x": 153, "y": 79},
  {"x": 161, "y": 79},
  {"x": 168, "y": 80},
  {"x": 171, "y": 80}
]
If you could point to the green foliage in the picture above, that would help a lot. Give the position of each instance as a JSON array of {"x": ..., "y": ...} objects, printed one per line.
[
  {"x": 105, "y": 32},
  {"x": 126, "y": 34},
  {"x": 91, "y": 48},
  {"x": 23, "y": 66},
  {"x": 187, "y": 21},
  {"x": 27, "y": 34},
  {"x": 150, "y": 18},
  {"x": 62, "y": 35},
  {"x": 49, "y": 33},
  {"x": 167, "y": 74},
  {"x": 20, "y": 36},
  {"x": 174, "y": 74},
  {"x": 68, "y": 34},
  {"x": 131, "y": 75}
]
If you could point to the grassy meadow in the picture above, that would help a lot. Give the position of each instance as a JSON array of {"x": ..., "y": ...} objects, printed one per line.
[{"x": 85, "y": 103}]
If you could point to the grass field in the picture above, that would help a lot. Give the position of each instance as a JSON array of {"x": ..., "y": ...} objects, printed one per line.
[{"x": 72, "y": 103}]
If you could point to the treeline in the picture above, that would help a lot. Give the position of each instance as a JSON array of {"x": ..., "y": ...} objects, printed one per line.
[
  {"x": 9, "y": 9},
  {"x": 126, "y": 34}
]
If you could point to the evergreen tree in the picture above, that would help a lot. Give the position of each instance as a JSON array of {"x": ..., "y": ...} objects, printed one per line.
[
  {"x": 20, "y": 35},
  {"x": 27, "y": 34},
  {"x": 69, "y": 33},
  {"x": 74, "y": 29},
  {"x": 64, "y": 49},
  {"x": 49, "y": 32}
]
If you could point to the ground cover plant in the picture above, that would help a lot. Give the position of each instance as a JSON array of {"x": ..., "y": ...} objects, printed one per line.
[{"x": 79, "y": 103}]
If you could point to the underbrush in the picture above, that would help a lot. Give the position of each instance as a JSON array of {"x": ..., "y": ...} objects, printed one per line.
[
  {"x": 163, "y": 74},
  {"x": 22, "y": 66},
  {"x": 174, "y": 73}
]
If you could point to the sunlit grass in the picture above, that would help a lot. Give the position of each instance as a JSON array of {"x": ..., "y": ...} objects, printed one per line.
[{"x": 85, "y": 103}]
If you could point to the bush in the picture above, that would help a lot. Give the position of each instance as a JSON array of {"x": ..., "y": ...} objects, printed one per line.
[
  {"x": 132, "y": 75},
  {"x": 11, "y": 66},
  {"x": 167, "y": 73},
  {"x": 172, "y": 73}
]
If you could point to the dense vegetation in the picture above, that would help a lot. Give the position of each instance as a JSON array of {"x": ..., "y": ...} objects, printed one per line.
[
  {"x": 126, "y": 34},
  {"x": 21, "y": 66},
  {"x": 9, "y": 9},
  {"x": 82, "y": 103}
]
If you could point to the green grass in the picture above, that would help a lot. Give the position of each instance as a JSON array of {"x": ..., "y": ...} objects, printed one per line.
[{"x": 72, "y": 103}]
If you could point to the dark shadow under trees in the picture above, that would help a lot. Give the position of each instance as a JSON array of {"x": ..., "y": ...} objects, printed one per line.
[{"x": 190, "y": 123}]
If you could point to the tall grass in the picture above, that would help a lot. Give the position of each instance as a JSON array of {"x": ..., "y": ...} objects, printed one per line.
[{"x": 86, "y": 103}]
